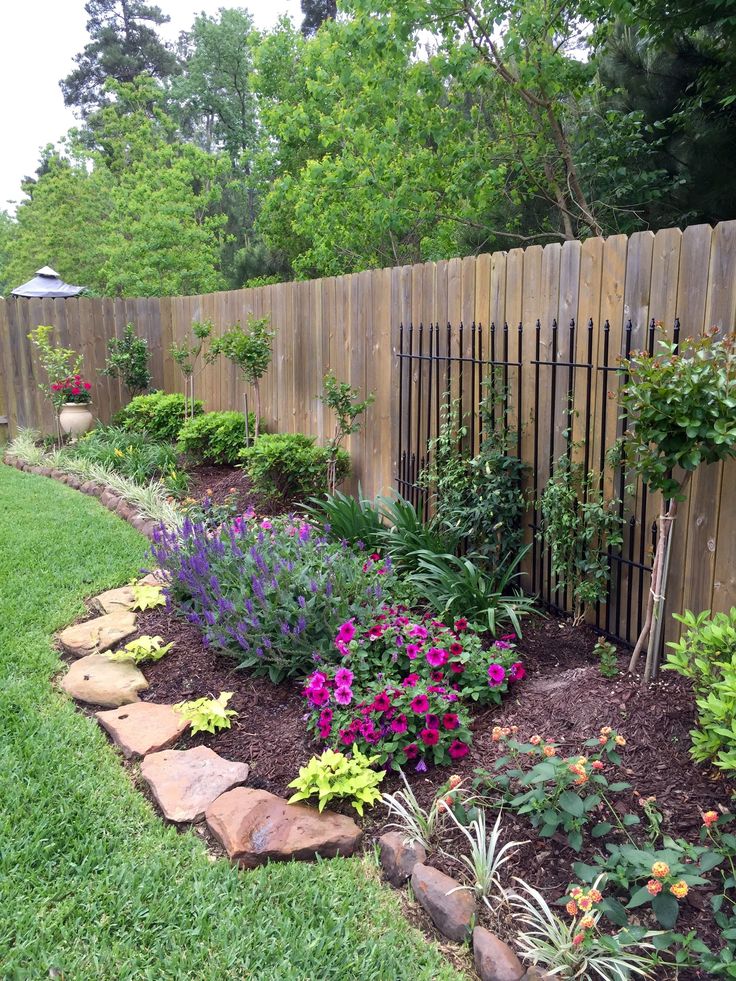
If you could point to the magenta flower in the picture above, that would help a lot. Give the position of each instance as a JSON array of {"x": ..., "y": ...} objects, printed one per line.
[
  {"x": 317, "y": 680},
  {"x": 430, "y": 737},
  {"x": 346, "y": 632},
  {"x": 412, "y": 650},
  {"x": 418, "y": 631},
  {"x": 324, "y": 731},
  {"x": 346, "y": 737},
  {"x": 496, "y": 674},
  {"x": 318, "y": 696},
  {"x": 325, "y": 716},
  {"x": 419, "y": 704},
  {"x": 343, "y": 695},
  {"x": 410, "y": 681},
  {"x": 450, "y": 720},
  {"x": 343, "y": 678},
  {"x": 502, "y": 645},
  {"x": 436, "y": 657},
  {"x": 461, "y": 624},
  {"x": 381, "y": 703},
  {"x": 411, "y": 751},
  {"x": 432, "y": 721},
  {"x": 266, "y": 524},
  {"x": 517, "y": 671},
  {"x": 457, "y": 749},
  {"x": 399, "y": 724}
]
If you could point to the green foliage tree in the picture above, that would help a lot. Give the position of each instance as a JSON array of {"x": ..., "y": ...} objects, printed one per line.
[
  {"x": 187, "y": 356},
  {"x": 344, "y": 402},
  {"x": 680, "y": 411},
  {"x": 250, "y": 351},
  {"x": 315, "y": 13},
  {"x": 123, "y": 44},
  {"x": 128, "y": 359}
]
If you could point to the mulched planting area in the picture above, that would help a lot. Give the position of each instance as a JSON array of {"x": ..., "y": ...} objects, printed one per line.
[
  {"x": 218, "y": 483},
  {"x": 563, "y": 698}
]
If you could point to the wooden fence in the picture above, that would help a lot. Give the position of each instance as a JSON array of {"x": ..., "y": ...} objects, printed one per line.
[{"x": 351, "y": 324}]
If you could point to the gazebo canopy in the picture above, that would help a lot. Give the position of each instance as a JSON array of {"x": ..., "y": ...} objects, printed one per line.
[{"x": 47, "y": 283}]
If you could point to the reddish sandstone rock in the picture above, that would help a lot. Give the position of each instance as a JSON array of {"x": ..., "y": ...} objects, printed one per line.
[
  {"x": 451, "y": 912},
  {"x": 143, "y": 727},
  {"x": 255, "y": 827},
  {"x": 98, "y": 634},
  {"x": 99, "y": 681},
  {"x": 184, "y": 783},
  {"x": 114, "y": 600},
  {"x": 399, "y": 858},
  {"x": 125, "y": 510},
  {"x": 494, "y": 960}
]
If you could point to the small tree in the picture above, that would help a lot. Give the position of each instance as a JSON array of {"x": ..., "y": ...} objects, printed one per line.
[
  {"x": 681, "y": 411},
  {"x": 343, "y": 399},
  {"x": 128, "y": 360},
  {"x": 187, "y": 355},
  {"x": 60, "y": 364},
  {"x": 250, "y": 351},
  {"x": 579, "y": 525}
]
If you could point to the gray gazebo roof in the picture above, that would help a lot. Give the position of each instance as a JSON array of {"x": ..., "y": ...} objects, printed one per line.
[{"x": 46, "y": 282}]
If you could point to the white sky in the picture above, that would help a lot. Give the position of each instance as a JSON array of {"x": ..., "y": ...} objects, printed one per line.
[{"x": 38, "y": 40}]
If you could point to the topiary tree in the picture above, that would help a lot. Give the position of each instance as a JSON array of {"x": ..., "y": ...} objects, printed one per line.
[
  {"x": 250, "y": 351},
  {"x": 681, "y": 413},
  {"x": 343, "y": 399},
  {"x": 128, "y": 360},
  {"x": 187, "y": 355}
]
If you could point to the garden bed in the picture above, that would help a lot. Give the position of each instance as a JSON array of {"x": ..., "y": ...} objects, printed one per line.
[{"x": 564, "y": 698}]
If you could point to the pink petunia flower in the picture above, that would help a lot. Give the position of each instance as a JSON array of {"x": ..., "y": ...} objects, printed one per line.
[
  {"x": 346, "y": 632},
  {"x": 436, "y": 657},
  {"x": 318, "y": 696},
  {"x": 410, "y": 681},
  {"x": 343, "y": 695},
  {"x": 457, "y": 749},
  {"x": 412, "y": 650},
  {"x": 418, "y": 631},
  {"x": 461, "y": 624},
  {"x": 450, "y": 720},
  {"x": 496, "y": 674},
  {"x": 419, "y": 704},
  {"x": 381, "y": 703},
  {"x": 517, "y": 671},
  {"x": 399, "y": 724},
  {"x": 411, "y": 751},
  {"x": 430, "y": 737},
  {"x": 343, "y": 678},
  {"x": 432, "y": 721}
]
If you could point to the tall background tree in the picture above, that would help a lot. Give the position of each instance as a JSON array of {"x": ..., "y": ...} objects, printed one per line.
[{"x": 316, "y": 12}]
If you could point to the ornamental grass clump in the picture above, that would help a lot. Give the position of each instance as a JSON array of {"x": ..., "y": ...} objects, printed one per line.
[{"x": 271, "y": 593}]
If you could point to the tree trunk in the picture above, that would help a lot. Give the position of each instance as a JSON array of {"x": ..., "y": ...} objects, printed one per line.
[{"x": 257, "y": 426}]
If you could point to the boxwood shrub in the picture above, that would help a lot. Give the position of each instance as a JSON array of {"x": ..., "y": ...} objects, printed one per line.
[
  {"x": 289, "y": 465},
  {"x": 216, "y": 437},
  {"x": 159, "y": 414}
]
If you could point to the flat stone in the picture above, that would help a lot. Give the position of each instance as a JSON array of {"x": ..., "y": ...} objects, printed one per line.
[
  {"x": 138, "y": 521},
  {"x": 91, "y": 488},
  {"x": 143, "y": 727},
  {"x": 255, "y": 827},
  {"x": 185, "y": 782},
  {"x": 451, "y": 912},
  {"x": 98, "y": 634},
  {"x": 97, "y": 680},
  {"x": 156, "y": 577},
  {"x": 536, "y": 974},
  {"x": 494, "y": 960},
  {"x": 114, "y": 600},
  {"x": 399, "y": 858}
]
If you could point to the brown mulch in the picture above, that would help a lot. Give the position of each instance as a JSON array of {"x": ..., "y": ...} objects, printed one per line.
[
  {"x": 218, "y": 482},
  {"x": 563, "y": 698}
]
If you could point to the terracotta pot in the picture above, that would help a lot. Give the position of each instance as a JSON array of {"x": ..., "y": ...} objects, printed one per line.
[{"x": 75, "y": 418}]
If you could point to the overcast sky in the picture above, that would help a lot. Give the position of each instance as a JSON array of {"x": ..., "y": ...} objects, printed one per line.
[{"x": 38, "y": 41}]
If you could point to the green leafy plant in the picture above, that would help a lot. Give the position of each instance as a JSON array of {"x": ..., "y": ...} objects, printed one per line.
[
  {"x": 147, "y": 597},
  {"x": 350, "y": 519},
  {"x": 208, "y": 714},
  {"x": 459, "y": 587},
  {"x": 647, "y": 877},
  {"x": 706, "y": 654},
  {"x": 209, "y": 513},
  {"x": 335, "y": 776},
  {"x": 577, "y": 948},
  {"x": 289, "y": 465},
  {"x": 558, "y": 794},
  {"x": 187, "y": 356},
  {"x": 406, "y": 537},
  {"x": 346, "y": 406},
  {"x": 128, "y": 360},
  {"x": 605, "y": 651},
  {"x": 215, "y": 437},
  {"x": 144, "y": 648},
  {"x": 158, "y": 414},
  {"x": 132, "y": 454},
  {"x": 579, "y": 526},
  {"x": 59, "y": 363},
  {"x": 250, "y": 351},
  {"x": 680, "y": 409}
]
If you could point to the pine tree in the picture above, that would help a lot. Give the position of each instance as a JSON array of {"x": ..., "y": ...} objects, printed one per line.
[{"x": 123, "y": 44}]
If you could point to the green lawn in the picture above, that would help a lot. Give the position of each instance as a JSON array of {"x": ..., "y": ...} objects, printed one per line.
[{"x": 92, "y": 883}]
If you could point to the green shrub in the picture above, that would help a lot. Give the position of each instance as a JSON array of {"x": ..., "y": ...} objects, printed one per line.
[
  {"x": 289, "y": 465},
  {"x": 159, "y": 414},
  {"x": 706, "y": 653},
  {"x": 216, "y": 437},
  {"x": 134, "y": 455}
]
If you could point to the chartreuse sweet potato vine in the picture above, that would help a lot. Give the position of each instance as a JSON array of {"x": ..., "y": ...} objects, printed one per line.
[
  {"x": 680, "y": 408},
  {"x": 334, "y": 775}
]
